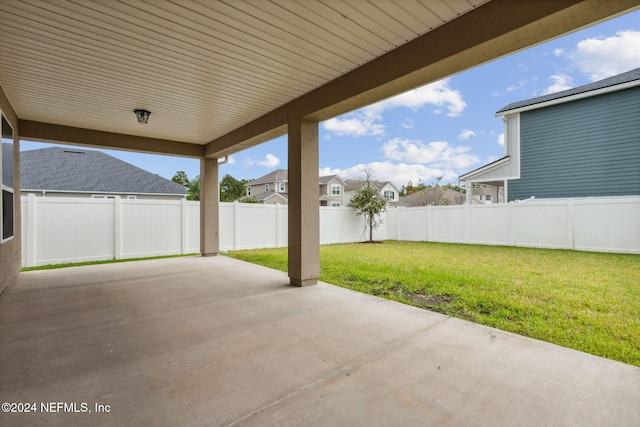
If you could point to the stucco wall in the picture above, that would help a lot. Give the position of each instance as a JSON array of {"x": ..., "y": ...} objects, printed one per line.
[{"x": 10, "y": 251}]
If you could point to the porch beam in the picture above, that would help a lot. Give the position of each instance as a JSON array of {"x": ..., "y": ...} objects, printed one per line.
[
  {"x": 48, "y": 132},
  {"x": 304, "y": 212}
]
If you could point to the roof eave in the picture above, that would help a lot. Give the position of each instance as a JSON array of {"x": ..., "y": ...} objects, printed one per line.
[{"x": 569, "y": 98}]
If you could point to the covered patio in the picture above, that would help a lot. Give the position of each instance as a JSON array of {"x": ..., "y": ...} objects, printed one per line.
[{"x": 216, "y": 341}]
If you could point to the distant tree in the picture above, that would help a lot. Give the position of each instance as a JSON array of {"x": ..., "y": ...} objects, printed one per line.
[
  {"x": 231, "y": 189},
  {"x": 181, "y": 178},
  {"x": 433, "y": 195},
  {"x": 368, "y": 202},
  {"x": 194, "y": 189}
]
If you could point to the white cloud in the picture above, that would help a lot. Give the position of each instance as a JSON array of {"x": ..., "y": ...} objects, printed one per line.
[
  {"x": 605, "y": 57},
  {"x": 398, "y": 173},
  {"x": 558, "y": 52},
  {"x": 360, "y": 123},
  {"x": 269, "y": 161},
  {"x": 501, "y": 139},
  {"x": 438, "y": 94},
  {"x": 366, "y": 121},
  {"x": 437, "y": 153},
  {"x": 560, "y": 82},
  {"x": 407, "y": 124},
  {"x": 466, "y": 134}
]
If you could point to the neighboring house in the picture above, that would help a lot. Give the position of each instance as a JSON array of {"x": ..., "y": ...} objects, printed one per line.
[
  {"x": 386, "y": 189},
  {"x": 432, "y": 197},
  {"x": 63, "y": 172},
  {"x": 580, "y": 142},
  {"x": 487, "y": 194},
  {"x": 273, "y": 188}
]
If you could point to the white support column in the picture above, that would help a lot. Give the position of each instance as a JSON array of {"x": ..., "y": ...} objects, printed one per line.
[
  {"x": 209, "y": 207},
  {"x": 304, "y": 211},
  {"x": 469, "y": 187}
]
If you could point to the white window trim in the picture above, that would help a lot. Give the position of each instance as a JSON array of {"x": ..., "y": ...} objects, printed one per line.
[
  {"x": 336, "y": 204},
  {"x": 336, "y": 186},
  {"x": 282, "y": 187}
]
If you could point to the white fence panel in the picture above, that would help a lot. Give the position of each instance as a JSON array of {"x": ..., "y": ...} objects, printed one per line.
[
  {"x": 608, "y": 225},
  {"x": 150, "y": 228},
  {"x": 192, "y": 228},
  {"x": 68, "y": 230},
  {"x": 57, "y": 230},
  {"x": 542, "y": 225},
  {"x": 447, "y": 224},
  {"x": 413, "y": 223},
  {"x": 488, "y": 225}
]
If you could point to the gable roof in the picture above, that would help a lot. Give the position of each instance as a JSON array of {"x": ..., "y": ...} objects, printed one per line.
[
  {"x": 621, "y": 81},
  {"x": 356, "y": 184},
  {"x": 278, "y": 175},
  {"x": 282, "y": 175},
  {"x": 61, "y": 169}
]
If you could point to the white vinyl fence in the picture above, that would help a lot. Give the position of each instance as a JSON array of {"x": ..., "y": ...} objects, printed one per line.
[{"x": 58, "y": 230}]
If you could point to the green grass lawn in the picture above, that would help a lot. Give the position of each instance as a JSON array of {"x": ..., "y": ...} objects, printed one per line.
[{"x": 582, "y": 300}]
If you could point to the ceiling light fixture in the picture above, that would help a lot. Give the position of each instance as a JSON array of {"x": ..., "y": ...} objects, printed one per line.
[{"x": 142, "y": 115}]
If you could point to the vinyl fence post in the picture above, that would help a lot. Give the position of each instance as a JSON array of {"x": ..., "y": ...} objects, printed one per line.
[
  {"x": 236, "y": 222},
  {"x": 30, "y": 235},
  {"x": 570, "y": 224},
  {"x": 185, "y": 226},
  {"x": 277, "y": 228},
  {"x": 117, "y": 227}
]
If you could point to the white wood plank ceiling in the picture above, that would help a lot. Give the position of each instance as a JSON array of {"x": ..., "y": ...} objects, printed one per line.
[{"x": 202, "y": 67}]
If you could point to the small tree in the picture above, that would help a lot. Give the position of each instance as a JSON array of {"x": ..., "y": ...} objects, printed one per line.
[
  {"x": 194, "y": 189},
  {"x": 368, "y": 202},
  {"x": 181, "y": 178}
]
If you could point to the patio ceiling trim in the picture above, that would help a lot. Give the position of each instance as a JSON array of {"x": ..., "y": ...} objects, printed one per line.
[
  {"x": 47, "y": 132},
  {"x": 490, "y": 31}
]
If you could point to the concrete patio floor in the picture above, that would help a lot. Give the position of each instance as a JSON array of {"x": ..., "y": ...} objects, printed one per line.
[{"x": 216, "y": 341}]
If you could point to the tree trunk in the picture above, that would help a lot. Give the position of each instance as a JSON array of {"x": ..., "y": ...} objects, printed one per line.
[{"x": 371, "y": 228}]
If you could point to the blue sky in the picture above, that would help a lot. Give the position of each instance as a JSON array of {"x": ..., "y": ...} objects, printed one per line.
[{"x": 443, "y": 129}]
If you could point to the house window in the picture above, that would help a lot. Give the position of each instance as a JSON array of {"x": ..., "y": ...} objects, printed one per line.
[
  {"x": 7, "y": 223},
  {"x": 390, "y": 195},
  {"x": 282, "y": 187},
  {"x": 335, "y": 205},
  {"x": 335, "y": 189},
  {"x": 266, "y": 187},
  {"x": 103, "y": 196},
  {"x": 487, "y": 198},
  {"x": 248, "y": 191},
  {"x": 132, "y": 197}
]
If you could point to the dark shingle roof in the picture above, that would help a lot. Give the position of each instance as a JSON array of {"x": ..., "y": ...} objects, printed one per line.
[
  {"x": 356, "y": 184},
  {"x": 627, "y": 77},
  {"x": 62, "y": 169},
  {"x": 279, "y": 175}
]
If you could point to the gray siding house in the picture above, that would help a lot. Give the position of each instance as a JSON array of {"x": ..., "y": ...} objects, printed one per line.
[
  {"x": 64, "y": 172},
  {"x": 581, "y": 142},
  {"x": 273, "y": 188}
]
